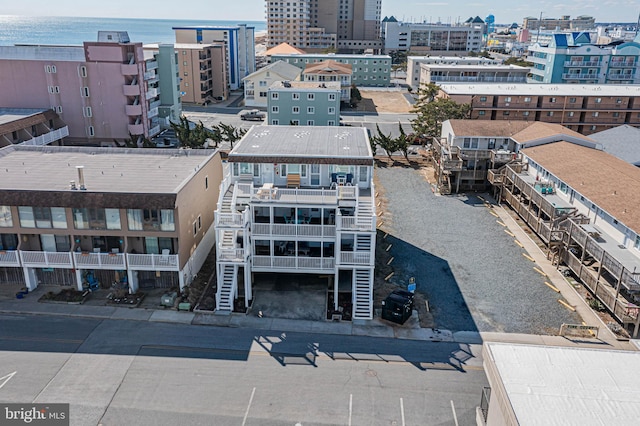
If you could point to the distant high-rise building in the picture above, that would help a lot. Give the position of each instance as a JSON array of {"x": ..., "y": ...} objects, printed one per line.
[
  {"x": 351, "y": 26},
  {"x": 490, "y": 20},
  {"x": 565, "y": 22}
]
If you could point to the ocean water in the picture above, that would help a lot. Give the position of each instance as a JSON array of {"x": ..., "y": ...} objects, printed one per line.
[{"x": 74, "y": 30}]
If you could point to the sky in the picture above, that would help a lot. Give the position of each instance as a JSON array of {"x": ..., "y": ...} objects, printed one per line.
[{"x": 505, "y": 11}]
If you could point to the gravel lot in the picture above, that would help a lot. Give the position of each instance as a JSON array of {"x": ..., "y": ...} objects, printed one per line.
[{"x": 471, "y": 271}]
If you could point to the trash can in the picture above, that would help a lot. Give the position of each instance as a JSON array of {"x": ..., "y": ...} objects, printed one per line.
[{"x": 397, "y": 307}]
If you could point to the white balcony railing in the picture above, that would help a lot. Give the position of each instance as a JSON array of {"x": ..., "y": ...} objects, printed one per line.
[
  {"x": 360, "y": 223},
  {"x": 585, "y": 76},
  {"x": 582, "y": 63},
  {"x": 228, "y": 219},
  {"x": 154, "y": 130},
  {"x": 99, "y": 260},
  {"x": 47, "y": 138},
  {"x": 148, "y": 75},
  {"x": 231, "y": 255},
  {"x": 46, "y": 259},
  {"x": 9, "y": 258},
  {"x": 152, "y": 93},
  {"x": 355, "y": 258},
  {"x": 279, "y": 229},
  {"x": 153, "y": 262},
  {"x": 152, "y": 65},
  {"x": 293, "y": 262}
]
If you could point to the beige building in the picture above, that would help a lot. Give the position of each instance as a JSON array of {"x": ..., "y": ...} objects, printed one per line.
[
  {"x": 71, "y": 215},
  {"x": 257, "y": 84},
  {"x": 31, "y": 127},
  {"x": 351, "y": 26},
  {"x": 203, "y": 75}
]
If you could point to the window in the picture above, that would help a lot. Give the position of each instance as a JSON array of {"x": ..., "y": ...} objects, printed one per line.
[
  {"x": 637, "y": 243},
  {"x": 593, "y": 127},
  {"x": 184, "y": 52},
  {"x": 98, "y": 219},
  {"x": 311, "y": 123},
  {"x": 505, "y": 113},
  {"x": 206, "y": 182},
  {"x": 91, "y": 131},
  {"x": 263, "y": 94},
  {"x": 332, "y": 110},
  {"x": 295, "y": 122},
  {"x": 195, "y": 228},
  {"x": 598, "y": 100},
  {"x": 549, "y": 113},
  {"x": 482, "y": 112},
  {"x": 84, "y": 92},
  {"x": 42, "y": 217},
  {"x": 275, "y": 122},
  {"x": 311, "y": 96},
  {"x": 595, "y": 114},
  {"x": 275, "y": 109},
  {"x": 5, "y": 217},
  {"x": 295, "y": 96},
  {"x": 331, "y": 123},
  {"x": 483, "y": 99},
  {"x": 507, "y": 99},
  {"x": 618, "y": 101},
  {"x": 616, "y": 114},
  {"x": 82, "y": 71},
  {"x": 332, "y": 96},
  {"x": 199, "y": 223},
  {"x": 58, "y": 110},
  {"x": 295, "y": 110},
  {"x": 552, "y": 100},
  {"x": 184, "y": 63},
  {"x": 466, "y": 143},
  {"x": 87, "y": 112},
  {"x": 527, "y": 99},
  {"x": 311, "y": 110},
  {"x": 572, "y": 100},
  {"x": 525, "y": 113},
  {"x": 274, "y": 95}
]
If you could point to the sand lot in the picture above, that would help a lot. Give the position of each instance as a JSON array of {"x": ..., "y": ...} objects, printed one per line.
[{"x": 383, "y": 101}]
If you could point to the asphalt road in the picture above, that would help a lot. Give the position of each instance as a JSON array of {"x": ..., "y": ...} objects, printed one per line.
[{"x": 139, "y": 373}]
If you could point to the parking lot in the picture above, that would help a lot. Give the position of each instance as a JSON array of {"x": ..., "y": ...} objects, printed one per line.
[{"x": 472, "y": 273}]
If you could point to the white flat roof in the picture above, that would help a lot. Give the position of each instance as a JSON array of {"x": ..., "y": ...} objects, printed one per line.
[
  {"x": 8, "y": 115},
  {"x": 474, "y": 67},
  {"x": 542, "y": 89},
  {"x": 568, "y": 386},
  {"x": 43, "y": 53}
]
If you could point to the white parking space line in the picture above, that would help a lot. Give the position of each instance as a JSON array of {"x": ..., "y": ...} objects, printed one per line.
[
  {"x": 402, "y": 410},
  {"x": 455, "y": 417},
  {"x": 246, "y": 413},
  {"x": 350, "y": 407},
  {"x": 5, "y": 379}
]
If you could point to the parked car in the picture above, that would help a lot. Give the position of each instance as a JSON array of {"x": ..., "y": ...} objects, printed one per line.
[{"x": 253, "y": 115}]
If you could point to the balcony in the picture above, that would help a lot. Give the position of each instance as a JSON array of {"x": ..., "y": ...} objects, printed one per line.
[
  {"x": 9, "y": 258},
  {"x": 154, "y": 104},
  {"x": 152, "y": 113},
  {"x": 154, "y": 130},
  {"x": 231, "y": 255},
  {"x": 152, "y": 93},
  {"x": 502, "y": 156},
  {"x": 355, "y": 258},
  {"x": 133, "y": 110},
  {"x": 136, "y": 129},
  {"x": 568, "y": 76},
  {"x": 153, "y": 262},
  {"x": 46, "y": 259},
  {"x": 582, "y": 63},
  {"x": 47, "y": 138},
  {"x": 99, "y": 261},
  {"x": 279, "y": 229},
  {"x": 152, "y": 65},
  {"x": 149, "y": 75},
  {"x": 129, "y": 69},
  {"x": 293, "y": 262},
  {"x": 131, "y": 90},
  {"x": 622, "y": 64},
  {"x": 620, "y": 76}
]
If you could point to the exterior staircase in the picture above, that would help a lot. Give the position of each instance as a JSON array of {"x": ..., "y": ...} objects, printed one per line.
[
  {"x": 364, "y": 213},
  {"x": 362, "y": 294},
  {"x": 227, "y": 283}
]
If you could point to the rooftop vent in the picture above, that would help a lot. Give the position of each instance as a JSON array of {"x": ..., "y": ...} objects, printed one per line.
[{"x": 81, "y": 177}]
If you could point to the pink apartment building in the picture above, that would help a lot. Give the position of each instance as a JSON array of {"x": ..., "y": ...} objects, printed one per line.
[{"x": 103, "y": 90}]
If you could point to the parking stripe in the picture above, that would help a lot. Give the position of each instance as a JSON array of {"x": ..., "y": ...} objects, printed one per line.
[{"x": 246, "y": 413}]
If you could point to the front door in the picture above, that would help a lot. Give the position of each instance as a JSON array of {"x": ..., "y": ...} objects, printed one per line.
[{"x": 315, "y": 175}]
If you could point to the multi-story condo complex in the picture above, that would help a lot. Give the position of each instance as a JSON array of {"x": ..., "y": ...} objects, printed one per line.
[
  {"x": 583, "y": 203},
  {"x": 239, "y": 43},
  {"x": 583, "y": 108},
  {"x": 170, "y": 108},
  {"x": 257, "y": 84},
  {"x": 202, "y": 71},
  {"x": 102, "y": 90},
  {"x": 31, "y": 127},
  {"x": 137, "y": 216},
  {"x": 565, "y": 22},
  {"x": 430, "y": 73},
  {"x": 304, "y": 103},
  {"x": 414, "y": 64},
  {"x": 566, "y": 60},
  {"x": 368, "y": 70},
  {"x": 331, "y": 71},
  {"x": 298, "y": 199},
  {"x": 435, "y": 39},
  {"x": 312, "y": 25}
]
